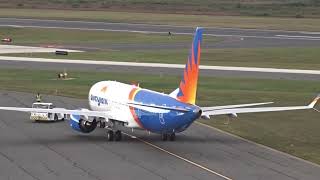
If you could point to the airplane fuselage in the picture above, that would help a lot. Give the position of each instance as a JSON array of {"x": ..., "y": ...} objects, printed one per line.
[{"x": 113, "y": 97}]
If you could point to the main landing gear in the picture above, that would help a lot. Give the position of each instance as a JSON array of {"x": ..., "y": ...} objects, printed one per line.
[
  {"x": 114, "y": 135},
  {"x": 171, "y": 137}
]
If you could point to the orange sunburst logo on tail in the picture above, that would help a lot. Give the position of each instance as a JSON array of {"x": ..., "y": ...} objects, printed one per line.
[
  {"x": 188, "y": 85},
  {"x": 104, "y": 89}
]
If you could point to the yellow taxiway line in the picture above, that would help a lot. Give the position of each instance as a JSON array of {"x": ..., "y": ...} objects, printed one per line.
[{"x": 179, "y": 157}]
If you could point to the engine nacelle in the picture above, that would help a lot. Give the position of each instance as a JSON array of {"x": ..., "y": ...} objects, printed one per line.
[{"x": 82, "y": 125}]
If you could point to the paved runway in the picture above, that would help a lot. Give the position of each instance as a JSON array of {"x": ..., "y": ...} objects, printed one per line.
[
  {"x": 151, "y": 70},
  {"x": 235, "y": 37},
  {"x": 7, "y": 49},
  {"x": 53, "y": 151}
]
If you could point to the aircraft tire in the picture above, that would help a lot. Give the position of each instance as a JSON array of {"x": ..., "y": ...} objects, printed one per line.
[
  {"x": 164, "y": 137},
  {"x": 110, "y": 135},
  {"x": 172, "y": 136},
  {"x": 118, "y": 135},
  {"x": 102, "y": 124}
]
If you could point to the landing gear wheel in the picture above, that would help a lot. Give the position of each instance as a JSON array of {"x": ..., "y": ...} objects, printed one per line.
[
  {"x": 164, "y": 137},
  {"x": 172, "y": 136},
  {"x": 118, "y": 135},
  {"x": 110, "y": 135},
  {"x": 102, "y": 124}
]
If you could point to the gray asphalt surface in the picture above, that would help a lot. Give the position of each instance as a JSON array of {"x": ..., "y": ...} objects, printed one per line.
[
  {"x": 53, "y": 151},
  {"x": 152, "y": 70},
  {"x": 234, "y": 37}
]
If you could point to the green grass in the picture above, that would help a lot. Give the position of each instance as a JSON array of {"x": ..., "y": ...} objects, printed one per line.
[
  {"x": 296, "y": 132},
  {"x": 294, "y": 58},
  {"x": 303, "y": 24},
  {"x": 37, "y": 36},
  {"x": 243, "y": 7}
]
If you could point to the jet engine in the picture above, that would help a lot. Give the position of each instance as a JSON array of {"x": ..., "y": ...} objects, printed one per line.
[{"x": 82, "y": 124}]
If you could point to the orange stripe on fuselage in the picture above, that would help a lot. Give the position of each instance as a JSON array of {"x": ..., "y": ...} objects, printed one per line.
[{"x": 132, "y": 94}]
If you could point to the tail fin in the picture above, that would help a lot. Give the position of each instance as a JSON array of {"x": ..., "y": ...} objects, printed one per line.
[{"x": 188, "y": 85}]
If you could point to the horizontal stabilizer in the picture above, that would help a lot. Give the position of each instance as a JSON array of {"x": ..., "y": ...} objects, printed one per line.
[
  {"x": 141, "y": 106},
  {"x": 252, "y": 110},
  {"x": 204, "y": 109},
  {"x": 231, "y": 110}
]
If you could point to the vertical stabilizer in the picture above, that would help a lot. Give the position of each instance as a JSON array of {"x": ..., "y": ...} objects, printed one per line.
[{"x": 188, "y": 85}]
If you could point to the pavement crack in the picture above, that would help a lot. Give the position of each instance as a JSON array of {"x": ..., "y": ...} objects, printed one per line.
[
  {"x": 272, "y": 169},
  {"x": 74, "y": 164},
  {"x": 18, "y": 166},
  {"x": 50, "y": 171},
  {"x": 17, "y": 100},
  {"x": 125, "y": 158}
]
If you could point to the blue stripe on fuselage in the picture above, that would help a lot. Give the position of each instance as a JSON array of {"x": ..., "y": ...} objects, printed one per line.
[{"x": 171, "y": 121}]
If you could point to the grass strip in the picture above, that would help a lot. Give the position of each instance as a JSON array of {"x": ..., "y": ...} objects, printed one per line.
[{"x": 283, "y": 23}]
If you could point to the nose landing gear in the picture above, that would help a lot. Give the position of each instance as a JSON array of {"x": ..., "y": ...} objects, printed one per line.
[{"x": 113, "y": 133}]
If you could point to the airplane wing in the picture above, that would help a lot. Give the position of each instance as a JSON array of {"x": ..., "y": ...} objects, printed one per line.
[
  {"x": 240, "y": 109},
  {"x": 89, "y": 113}
]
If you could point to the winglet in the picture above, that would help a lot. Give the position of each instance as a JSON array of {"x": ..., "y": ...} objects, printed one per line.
[{"x": 314, "y": 102}]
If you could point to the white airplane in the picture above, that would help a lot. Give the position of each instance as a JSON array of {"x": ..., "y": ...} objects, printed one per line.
[{"x": 117, "y": 104}]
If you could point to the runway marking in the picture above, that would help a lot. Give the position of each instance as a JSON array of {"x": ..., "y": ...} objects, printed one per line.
[
  {"x": 181, "y": 158},
  {"x": 30, "y": 49},
  {"x": 302, "y": 37},
  {"x": 157, "y": 32},
  {"x": 305, "y": 32},
  {"x": 257, "y": 144},
  {"x": 162, "y": 65}
]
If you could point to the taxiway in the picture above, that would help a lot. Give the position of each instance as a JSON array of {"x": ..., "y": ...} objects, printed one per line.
[{"x": 54, "y": 151}]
